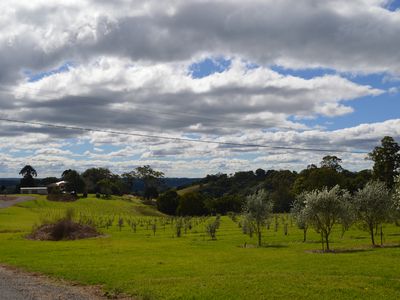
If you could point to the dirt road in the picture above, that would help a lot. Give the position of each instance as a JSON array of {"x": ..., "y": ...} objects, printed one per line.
[
  {"x": 11, "y": 200},
  {"x": 17, "y": 285}
]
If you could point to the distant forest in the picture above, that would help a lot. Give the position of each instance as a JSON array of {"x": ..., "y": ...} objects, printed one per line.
[{"x": 221, "y": 193}]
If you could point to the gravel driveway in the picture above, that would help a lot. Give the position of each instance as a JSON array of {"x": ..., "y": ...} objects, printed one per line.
[
  {"x": 17, "y": 285},
  {"x": 15, "y": 200}
]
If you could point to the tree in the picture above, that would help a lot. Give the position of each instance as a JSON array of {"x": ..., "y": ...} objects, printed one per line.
[
  {"x": 331, "y": 162},
  {"x": 168, "y": 202},
  {"x": 316, "y": 179},
  {"x": 192, "y": 204},
  {"x": 260, "y": 173},
  {"x": 396, "y": 199},
  {"x": 150, "y": 177},
  {"x": 3, "y": 189},
  {"x": 28, "y": 172},
  {"x": 386, "y": 161},
  {"x": 279, "y": 186},
  {"x": 94, "y": 175},
  {"x": 298, "y": 211},
  {"x": 74, "y": 181},
  {"x": 105, "y": 188},
  {"x": 257, "y": 210},
  {"x": 324, "y": 208},
  {"x": 372, "y": 206},
  {"x": 224, "y": 204}
]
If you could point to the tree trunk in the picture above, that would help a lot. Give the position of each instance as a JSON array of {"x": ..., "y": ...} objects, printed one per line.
[
  {"x": 322, "y": 242},
  {"x": 371, "y": 230},
  {"x": 304, "y": 235},
  {"x": 259, "y": 234},
  {"x": 327, "y": 242},
  {"x": 381, "y": 236}
]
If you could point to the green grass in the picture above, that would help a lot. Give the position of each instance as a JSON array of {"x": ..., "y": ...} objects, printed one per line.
[
  {"x": 189, "y": 189},
  {"x": 194, "y": 267}
]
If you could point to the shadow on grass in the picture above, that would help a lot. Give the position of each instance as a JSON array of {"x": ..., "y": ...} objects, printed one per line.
[
  {"x": 276, "y": 246},
  {"x": 339, "y": 251},
  {"x": 354, "y": 250}
]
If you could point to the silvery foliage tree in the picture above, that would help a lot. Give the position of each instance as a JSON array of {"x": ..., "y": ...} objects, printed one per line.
[
  {"x": 372, "y": 206},
  {"x": 298, "y": 212},
  {"x": 396, "y": 199},
  {"x": 257, "y": 210},
  {"x": 325, "y": 208}
]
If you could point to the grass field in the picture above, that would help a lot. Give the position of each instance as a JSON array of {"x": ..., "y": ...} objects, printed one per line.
[
  {"x": 195, "y": 267},
  {"x": 189, "y": 189}
]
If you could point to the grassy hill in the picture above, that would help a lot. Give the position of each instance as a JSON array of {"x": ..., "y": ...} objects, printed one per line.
[
  {"x": 159, "y": 265},
  {"x": 189, "y": 189}
]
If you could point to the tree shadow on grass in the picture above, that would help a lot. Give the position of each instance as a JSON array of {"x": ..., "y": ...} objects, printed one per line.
[
  {"x": 354, "y": 250},
  {"x": 339, "y": 251},
  {"x": 276, "y": 246},
  {"x": 394, "y": 234}
]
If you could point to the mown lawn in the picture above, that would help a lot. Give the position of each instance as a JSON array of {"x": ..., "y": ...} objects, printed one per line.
[{"x": 195, "y": 267}]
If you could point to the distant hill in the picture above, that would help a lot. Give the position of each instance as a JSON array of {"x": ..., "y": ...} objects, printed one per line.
[
  {"x": 9, "y": 181},
  {"x": 168, "y": 183}
]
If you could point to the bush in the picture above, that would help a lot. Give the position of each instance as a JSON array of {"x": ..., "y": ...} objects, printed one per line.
[
  {"x": 64, "y": 229},
  {"x": 62, "y": 197}
]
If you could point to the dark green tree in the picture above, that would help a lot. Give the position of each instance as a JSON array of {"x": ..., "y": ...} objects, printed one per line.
[
  {"x": 93, "y": 175},
  {"x": 192, "y": 204},
  {"x": 386, "y": 161},
  {"x": 150, "y": 178},
  {"x": 332, "y": 162},
  {"x": 168, "y": 202},
  {"x": 74, "y": 181},
  {"x": 28, "y": 172}
]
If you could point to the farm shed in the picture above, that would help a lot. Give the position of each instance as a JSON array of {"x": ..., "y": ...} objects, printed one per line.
[{"x": 42, "y": 190}]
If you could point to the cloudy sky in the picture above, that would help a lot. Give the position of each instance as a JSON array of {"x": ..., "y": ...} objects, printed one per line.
[{"x": 288, "y": 73}]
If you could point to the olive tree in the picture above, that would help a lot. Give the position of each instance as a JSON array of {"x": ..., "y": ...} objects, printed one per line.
[
  {"x": 257, "y": 210},
  {"x": 325, "y": 208},
  {"x": 298, "y": 212},
  {"x": 396, "y": 199},
  {"x": 372, "y": 206}
]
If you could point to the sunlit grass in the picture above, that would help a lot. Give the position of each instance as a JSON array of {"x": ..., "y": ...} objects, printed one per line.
[{"x": 161, "y": 265}]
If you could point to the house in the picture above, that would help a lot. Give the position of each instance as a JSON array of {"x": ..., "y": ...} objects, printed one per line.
[
  {"x": 59, "y": 184},
  {"x": 41, "y": 190}
]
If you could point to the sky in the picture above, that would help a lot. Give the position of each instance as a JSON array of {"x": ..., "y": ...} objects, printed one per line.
[{"x": 297, "y": 74}]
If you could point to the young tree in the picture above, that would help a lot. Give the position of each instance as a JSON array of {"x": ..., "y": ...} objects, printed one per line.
[
  {"x": 324, "y": 208},
  {"x": 299, "y": 214},
  {"x": 372, "y": 206},
  {"x": 257, "y": 210},
  {"x": 386, "y": 161}
]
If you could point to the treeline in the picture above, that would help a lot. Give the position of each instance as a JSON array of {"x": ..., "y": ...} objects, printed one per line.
[
  {"x": 98, "y": 181},
  {"x": 222, "y": 193}
]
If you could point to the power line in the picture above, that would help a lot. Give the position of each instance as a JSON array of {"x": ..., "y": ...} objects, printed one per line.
[{"x": 181, "y": 139}]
